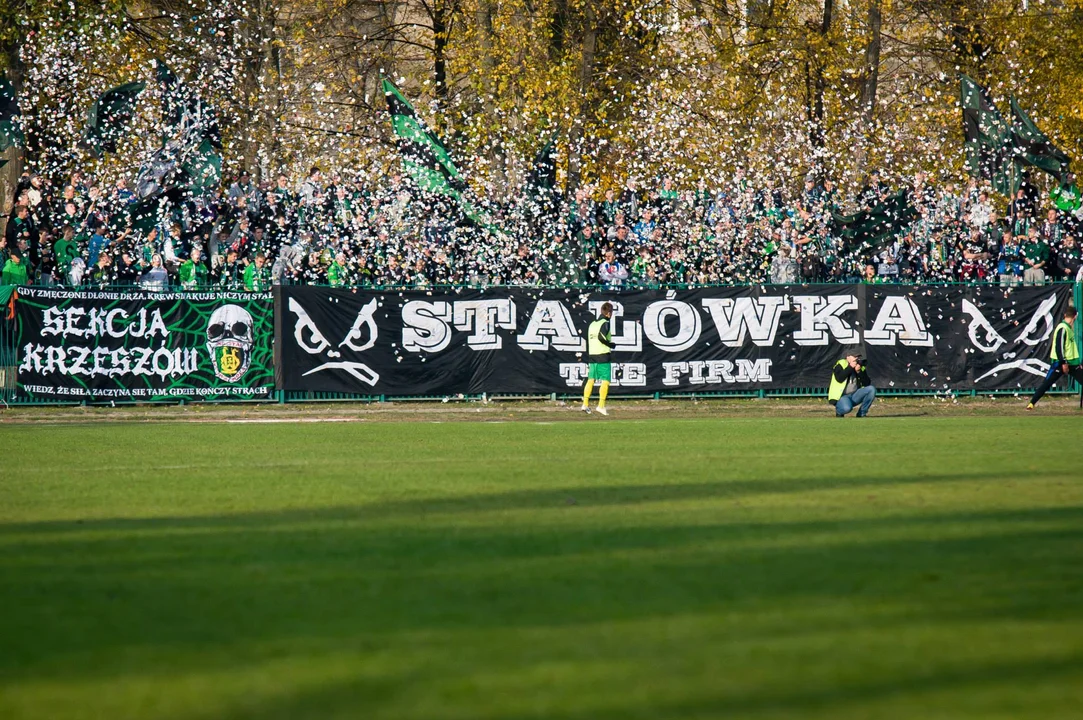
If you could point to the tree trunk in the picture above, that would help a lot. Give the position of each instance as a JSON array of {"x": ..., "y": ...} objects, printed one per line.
[
  {"x": 440, "y": 30},
  {"x": 483, "y": 17},
  {"x": 819, "y": 84},
  {"x": 872, "y": 64},
  {"x": 250, "y": 88},
  {"x": 557, "y": 27},
  {"x": 16, "y": 156},
  {"x": 871, "y": 75},
  {"x": 586, "y": 73}
]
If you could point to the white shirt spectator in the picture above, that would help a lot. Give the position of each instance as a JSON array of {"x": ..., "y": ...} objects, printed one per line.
[
  {"x": 979, "y": 215},
  {"x": 612, "y": 273}
]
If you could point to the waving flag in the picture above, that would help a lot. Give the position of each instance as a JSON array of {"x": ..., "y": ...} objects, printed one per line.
[
  {"x": 109, "y": 118},
  {"x": 1033, "y": 147},
  {"x": 988, "y": 139}
]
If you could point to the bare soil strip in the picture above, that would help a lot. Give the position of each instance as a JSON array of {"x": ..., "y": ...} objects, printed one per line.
[{"x": 537, "y": 411}]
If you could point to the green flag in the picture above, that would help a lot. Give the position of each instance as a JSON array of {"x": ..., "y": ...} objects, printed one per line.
[
  {"x": 145, "y": 214},
  {"x": 109, "y": 118},
  {"x": 424, "y": 157},
  {"x": 542, "y": 196},
  {"x": 10, "y": 129},
  {"x": 172, "y": 96},
  {"x": 204, "y": 168},
  {"x": 988, "y": 139},
  {"x": 543, "y": 175},
  {"x": 878, "y": 225},
  {"x": 1033, "y": 147}
]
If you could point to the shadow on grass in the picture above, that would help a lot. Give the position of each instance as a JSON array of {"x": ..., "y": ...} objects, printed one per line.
[
  {"x": 582, "y": 495},
  {"x": 204, "y": 592}
]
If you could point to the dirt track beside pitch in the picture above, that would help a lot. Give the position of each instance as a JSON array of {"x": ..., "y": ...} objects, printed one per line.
[{"x": 527, "y": 411}]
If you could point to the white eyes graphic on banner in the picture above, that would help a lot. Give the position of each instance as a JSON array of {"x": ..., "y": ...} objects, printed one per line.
[
  {"x": 985, "y": 337},
  {"x": 311, "y": 340}
]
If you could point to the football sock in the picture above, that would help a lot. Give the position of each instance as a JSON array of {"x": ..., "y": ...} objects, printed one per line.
[
  {"x": 603, "y": 391},
  {"x": 587, "y": 390}
]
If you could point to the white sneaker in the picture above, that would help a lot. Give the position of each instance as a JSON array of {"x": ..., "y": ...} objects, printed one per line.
[
  {"x": 603, "y": 411},
  {"x": 585, "y": 408}
]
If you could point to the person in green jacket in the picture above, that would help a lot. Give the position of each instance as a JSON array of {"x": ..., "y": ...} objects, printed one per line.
[
  {"x": 336, "y": 271},
  {"x": 1066, "y": 196},
  {"x": 1063, "y": 358},
  {"x": 192, "y": 272},
  {"x": 14, "y": 271},
  {"x": 65, "y": 251},
  {"x": 257, "y": 278},
  {"x": 1035, "y": 254}
]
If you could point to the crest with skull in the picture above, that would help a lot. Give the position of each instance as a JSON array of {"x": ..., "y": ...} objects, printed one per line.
[{"x": 229, "y": 341}]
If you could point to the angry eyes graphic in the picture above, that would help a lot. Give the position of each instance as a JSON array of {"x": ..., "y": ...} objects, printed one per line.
[{"x": 312, "y": 341}]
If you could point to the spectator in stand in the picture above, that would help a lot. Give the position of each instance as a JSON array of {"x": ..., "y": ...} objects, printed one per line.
[
  {"x": 1020, "y": 213},
  {"x": 257, "y": 277},
  {"x": 1010, "y": 262},
  {"x": 975, "y": 257},
  {"x": 1069, "y": 259},
  {"x": 102, "y": 275},
  {"x": 245, "y": 189},
  {"x": 1035, "y": 259},
  {"x": 611, "y": 272},
  {"x": 1052, "y": 230},
  {"x": 1066, "y": 196},
  {"x": 629, "y": 199},
  {"x": 888, "y": 269},
  {"x": 127, "y": 268},
  {"x": 192, "y": 273},
  {"x": 783, "y": 268},
  {"x": 155, "y": 278},
  {"x": 980, "y": 212},
  {"x": 14, "y": 271},
  {"x": 311, "y": 188}
]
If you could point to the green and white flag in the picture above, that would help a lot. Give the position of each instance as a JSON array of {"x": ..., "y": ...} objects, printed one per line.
[
  {"x": 877, "y": 226},
  {"x": 204, "y": 167},
  {"x": 1034, "y": 148},
  {"x": 11, "y": 132},
  {"x": 424, "y": 157},
  {"x": 109, "y": 118},
  {"x": 988, "y": 140}
]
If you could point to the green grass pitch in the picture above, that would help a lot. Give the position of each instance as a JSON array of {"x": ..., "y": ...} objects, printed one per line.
[{"x": 600, "y": 570}]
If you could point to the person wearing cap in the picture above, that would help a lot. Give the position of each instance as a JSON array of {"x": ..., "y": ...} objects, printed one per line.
[
  {"x": 599, "y": 346},
  {"x": 1063, "y": 357},
  {"x": 850, "y": 386},
  {"x": 14, "y": 271}
]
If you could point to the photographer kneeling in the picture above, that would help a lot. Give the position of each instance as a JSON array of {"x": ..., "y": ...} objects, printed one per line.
[{"x": 850, "y": 386}]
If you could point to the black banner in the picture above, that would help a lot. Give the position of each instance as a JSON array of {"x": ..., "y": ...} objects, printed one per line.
[
  {"x": 143, "y": 345},
  {"x": 530, "y": 340}
]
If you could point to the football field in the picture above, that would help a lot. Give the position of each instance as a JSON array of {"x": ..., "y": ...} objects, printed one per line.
[{"x": 715, "y": 564}]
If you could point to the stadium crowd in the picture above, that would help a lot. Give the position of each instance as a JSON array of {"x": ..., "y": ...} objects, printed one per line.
[{"x": 250, "y": 235}]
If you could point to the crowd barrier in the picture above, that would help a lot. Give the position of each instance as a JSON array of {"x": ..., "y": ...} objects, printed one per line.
[{"x": 314, "y": 344}]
